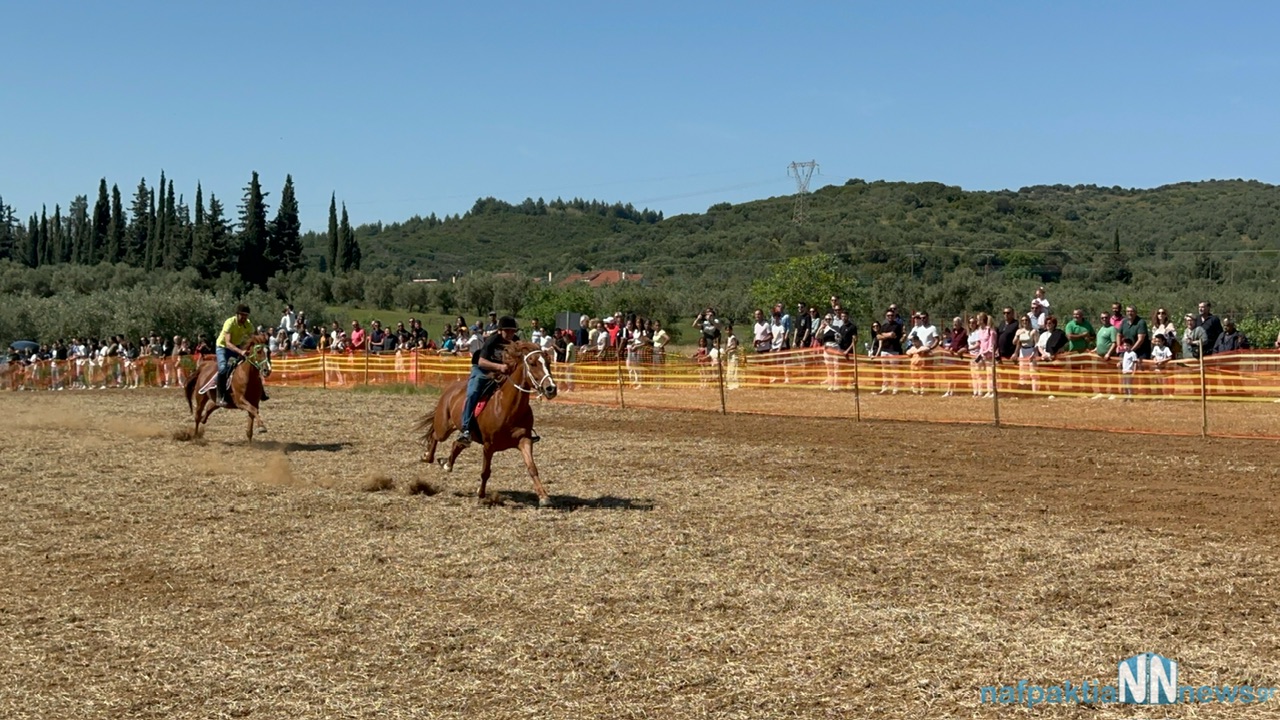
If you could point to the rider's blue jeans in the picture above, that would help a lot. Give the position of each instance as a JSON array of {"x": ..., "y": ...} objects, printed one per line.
[{"x": 479, "y": 384}]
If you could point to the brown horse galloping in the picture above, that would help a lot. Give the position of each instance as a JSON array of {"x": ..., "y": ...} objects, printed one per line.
[
  {"x": 244, "y": 385},
  {"x": 505, "y": 422}
]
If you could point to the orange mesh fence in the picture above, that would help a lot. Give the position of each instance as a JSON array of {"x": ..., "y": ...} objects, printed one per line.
[{"x": 809, "y": 382}]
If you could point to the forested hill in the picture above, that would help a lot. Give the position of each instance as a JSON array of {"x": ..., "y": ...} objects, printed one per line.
[{"x": 1225, "y": 230}]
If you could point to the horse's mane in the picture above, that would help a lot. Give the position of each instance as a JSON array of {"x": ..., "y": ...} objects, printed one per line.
[{"x": 516, "y": 350}]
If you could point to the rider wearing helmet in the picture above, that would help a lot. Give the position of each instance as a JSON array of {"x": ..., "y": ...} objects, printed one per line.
[{"x": 485, "y": 364}]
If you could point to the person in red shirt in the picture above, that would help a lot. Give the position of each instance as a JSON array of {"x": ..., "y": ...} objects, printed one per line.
[{"x": 357, "y": 336}]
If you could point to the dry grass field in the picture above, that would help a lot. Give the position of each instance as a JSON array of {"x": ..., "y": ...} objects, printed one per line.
[{"x": 697, "y": 566}]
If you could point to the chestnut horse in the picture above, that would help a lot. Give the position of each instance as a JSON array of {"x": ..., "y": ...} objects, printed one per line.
[
  {"x": 244, "y": 385},
  {"x": 505, "y": 422}
]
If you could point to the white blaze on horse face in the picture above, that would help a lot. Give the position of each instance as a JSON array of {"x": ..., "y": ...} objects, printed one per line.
[{"x": 546, "y": 373}]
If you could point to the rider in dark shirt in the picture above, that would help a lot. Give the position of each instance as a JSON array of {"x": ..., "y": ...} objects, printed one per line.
[{"x": 485, "y": 363}]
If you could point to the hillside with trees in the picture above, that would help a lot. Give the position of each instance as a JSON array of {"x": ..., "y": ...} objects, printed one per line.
[{"x": 918, "y": 244}]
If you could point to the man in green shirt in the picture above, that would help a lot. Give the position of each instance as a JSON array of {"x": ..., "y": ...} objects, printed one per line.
[
  {"x": 1105, "y": 349},
  {"x": 1106, "y": 345},
  {"x": 1079, "y": 331}
]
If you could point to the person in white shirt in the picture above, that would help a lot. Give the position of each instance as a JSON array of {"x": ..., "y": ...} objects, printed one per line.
[
  {"x": 1128, "y": 367},
  {"x": 924, "y": 340},
  {"x": 1037, "y": 314},
  {"x": 287, "y": 320}
]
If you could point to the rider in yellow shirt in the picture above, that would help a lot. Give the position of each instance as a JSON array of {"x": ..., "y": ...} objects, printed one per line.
[{"x": 235, "y": 332}]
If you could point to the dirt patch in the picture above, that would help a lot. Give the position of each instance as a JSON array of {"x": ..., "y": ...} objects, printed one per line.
[{"x": 695, "y": 565}]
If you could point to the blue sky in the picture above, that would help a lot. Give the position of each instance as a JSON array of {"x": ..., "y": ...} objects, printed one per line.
[{"x": 404, "y": 108}]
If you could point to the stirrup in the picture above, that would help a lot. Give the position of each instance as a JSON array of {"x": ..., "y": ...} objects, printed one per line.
[{"x": 464, "y": 438}]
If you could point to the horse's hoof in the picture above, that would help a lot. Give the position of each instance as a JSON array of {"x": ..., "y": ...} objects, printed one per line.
[{"x": 545, "y": 502}]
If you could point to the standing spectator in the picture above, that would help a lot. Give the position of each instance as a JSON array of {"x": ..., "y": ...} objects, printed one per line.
[
  {"x": 956, "y": 344},
  {"x": 1212, "y": 326},
  {"x": 288, "y": 320},
  {"x": 1049, "y": 345},
  {"x": 660, "y": 340},
  {"x": 1079, "y": 332},
  {"x": 761, "y": 333},
  {"x": 1006, "y": 335},
  {"x": 924, "y": 340},
  {"x": 890, "y": 338},
  {"x": 802, "y": 327},
  {"x": 1106, "y": 348},
  {"x": 983, "y": 352},
  {"x": 1194, "y": 340},
  {"x": 1162, "y": 325},
  {"x": 1135, "y": 330},
  {"x": 1230, "y": 340},
  {"x": 780, "y": 339},
  {"x": 709, "y": 325},
  {"x": 1117, "y": 316},
  {"x": 781, "y": 318},
  {"x": 828, "y": 334},
  {"x": 1039, "y": 296},
  {"x": 1129, "y": 362},
  {"x": 847, "y": 341},
  {"x": 357, "y": 338},
  {"x": 1036, "y": 315},
  {"x": 733, "y": 355},
  {"x": 583, "y": 336},
  {"x": 1160, "y": 357},
  {"x": 492, "y": 326},
  {"x": 1026, "y": 339}
]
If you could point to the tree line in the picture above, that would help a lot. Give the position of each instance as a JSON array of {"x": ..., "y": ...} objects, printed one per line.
[{"x": 160, "y": 231}]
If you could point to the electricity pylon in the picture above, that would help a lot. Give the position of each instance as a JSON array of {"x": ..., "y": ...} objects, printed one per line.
[{"x": 801, "y": 171}]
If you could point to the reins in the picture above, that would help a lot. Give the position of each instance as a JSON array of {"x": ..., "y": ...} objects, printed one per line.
[{"x": 528, "y": 371}]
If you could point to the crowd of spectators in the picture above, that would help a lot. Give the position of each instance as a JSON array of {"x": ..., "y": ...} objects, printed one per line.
[
  {"x": 113, "y": 362},
  {"x": 905, "y": 341}
]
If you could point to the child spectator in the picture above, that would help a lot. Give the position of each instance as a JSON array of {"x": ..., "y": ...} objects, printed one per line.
[{"x": 1128, "y": 366}]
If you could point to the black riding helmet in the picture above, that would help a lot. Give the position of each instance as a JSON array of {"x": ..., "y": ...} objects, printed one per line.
[{"x": 506, "y": 322}]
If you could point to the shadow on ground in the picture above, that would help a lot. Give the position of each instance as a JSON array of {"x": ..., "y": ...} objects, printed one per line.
[{"x": 568, "y": 503}]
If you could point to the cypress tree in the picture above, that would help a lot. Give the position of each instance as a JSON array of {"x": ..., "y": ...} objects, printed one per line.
[
  {"x": 201, "y": 251},
  {"x": 169, "y": 246},
  {"x": 57, "y": 238},
  {"x": 44, "y": 256},
  {"x": 344, "y": 240},
  {"x": 117, "y": 234},
  {"x": 79, "y": 230},
  {"x": 253, "y": 265},
  {"x": 182, "y": 233},
  {"x": 31, "y": 244},
  {"x": 139, "y": 237},
  {"x": 7, "y": 223},
  {"x": 285, "y": 252},
  {"x": 333, "y": 234},
  {"x": 97, "y": 244},
  {"x": 222, "y": 258}
]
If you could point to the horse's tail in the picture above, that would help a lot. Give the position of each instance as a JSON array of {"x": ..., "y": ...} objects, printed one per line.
[{"x": 426, "y": 424}]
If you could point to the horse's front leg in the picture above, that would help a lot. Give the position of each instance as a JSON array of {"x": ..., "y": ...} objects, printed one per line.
[
  {"x": 526, "y": 451},
  {"x": 255, "y": 418},
  {"x": 485, "y": 469}
]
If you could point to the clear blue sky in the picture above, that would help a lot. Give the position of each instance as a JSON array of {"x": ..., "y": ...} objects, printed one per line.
[{"x": 404, "y": 108}]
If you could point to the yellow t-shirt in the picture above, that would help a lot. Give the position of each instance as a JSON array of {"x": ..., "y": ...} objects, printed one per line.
[{"x": 239, "y": 332}]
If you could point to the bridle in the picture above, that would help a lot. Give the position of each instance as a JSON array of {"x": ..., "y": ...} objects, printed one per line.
[
  {"x": 543, "y": 384},
  {"x": 259, "y": 356}
]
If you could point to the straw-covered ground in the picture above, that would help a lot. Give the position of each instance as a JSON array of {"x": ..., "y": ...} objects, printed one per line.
[{"x": 696, "y": 565}]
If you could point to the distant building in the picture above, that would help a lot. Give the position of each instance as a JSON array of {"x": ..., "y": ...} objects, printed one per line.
[{"x": 600, "y": 278}]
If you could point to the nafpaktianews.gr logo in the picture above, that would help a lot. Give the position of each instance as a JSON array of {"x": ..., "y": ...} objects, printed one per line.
[{"x": 1146, "y": 679}]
